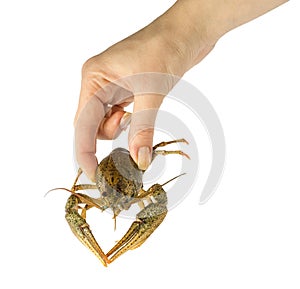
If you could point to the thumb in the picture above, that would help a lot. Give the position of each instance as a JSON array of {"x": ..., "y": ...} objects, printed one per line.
[{"x": 142, "y": 128}]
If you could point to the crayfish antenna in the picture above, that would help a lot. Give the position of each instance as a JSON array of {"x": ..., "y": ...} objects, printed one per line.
[
  {"x": 173, "y": 179},
  {"x": 115, "y": 220},
  {"x": 115, "y": 223},
  {"x": 56, "y": 189},
  {"x": 116, "y": 212}
]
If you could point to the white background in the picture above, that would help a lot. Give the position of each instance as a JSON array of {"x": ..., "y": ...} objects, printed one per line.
[{"x": 245, "y": 236}]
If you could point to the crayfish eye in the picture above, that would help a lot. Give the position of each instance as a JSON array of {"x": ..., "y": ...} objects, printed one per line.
[{"x": 104, "y": 194}]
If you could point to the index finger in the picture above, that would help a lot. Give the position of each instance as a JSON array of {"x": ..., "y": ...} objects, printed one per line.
[{"x": 86, "y": 129}]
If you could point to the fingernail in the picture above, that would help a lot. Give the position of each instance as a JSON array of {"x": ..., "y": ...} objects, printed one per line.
[
  {"x": 125, "y": 120},
  {"x": 144, "y": 158}
]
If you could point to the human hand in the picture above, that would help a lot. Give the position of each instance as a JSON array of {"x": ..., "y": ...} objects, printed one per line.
[
  {"x": 141, "y": 69},
  {"x": 144, "y": 67}
]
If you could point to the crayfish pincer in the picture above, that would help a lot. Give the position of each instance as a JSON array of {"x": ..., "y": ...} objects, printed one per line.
[{"x": 119, "y": 182}]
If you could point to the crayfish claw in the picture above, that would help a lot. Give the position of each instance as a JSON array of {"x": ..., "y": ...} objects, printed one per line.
[{"x": 81, "y": 229}]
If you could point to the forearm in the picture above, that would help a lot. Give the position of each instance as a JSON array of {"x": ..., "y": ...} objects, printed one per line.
[
  {"x": 223, "y": 16},
  {"x": 195, "y": 23}
]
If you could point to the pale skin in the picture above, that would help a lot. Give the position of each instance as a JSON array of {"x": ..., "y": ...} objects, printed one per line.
[{"x": 172, "y": 44}]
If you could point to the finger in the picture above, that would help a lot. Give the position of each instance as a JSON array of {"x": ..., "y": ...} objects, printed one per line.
[
  {"x": 86, "y": 130},
  {"x": 112, "y": 126},
  {"x": 89, "y": 89},
  {"x": 142, "y": 128}
]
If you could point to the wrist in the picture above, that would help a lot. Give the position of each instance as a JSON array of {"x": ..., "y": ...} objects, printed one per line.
[{"x": 185, "y": 28}]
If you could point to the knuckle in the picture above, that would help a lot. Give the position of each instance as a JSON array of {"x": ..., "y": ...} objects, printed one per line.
[
  {"x": 88, "y": 66},
  {"x": 144, "y": 136}
]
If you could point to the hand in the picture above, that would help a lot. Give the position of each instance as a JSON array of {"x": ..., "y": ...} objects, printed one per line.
[
  {"x": 144, "y": 67},
  {"x": 106, "y": 90}
]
